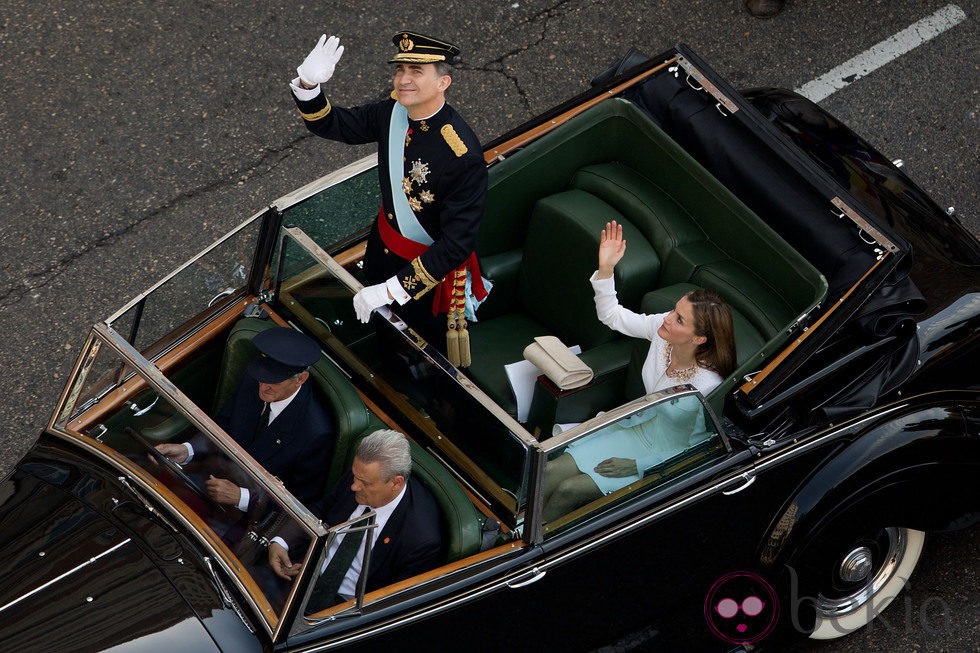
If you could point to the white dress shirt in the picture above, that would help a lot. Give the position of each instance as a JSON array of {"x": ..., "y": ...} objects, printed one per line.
[{"x": 348, "y": 588}]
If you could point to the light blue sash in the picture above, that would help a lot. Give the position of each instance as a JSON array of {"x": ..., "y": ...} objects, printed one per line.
[{"x": 408, "y": 223}]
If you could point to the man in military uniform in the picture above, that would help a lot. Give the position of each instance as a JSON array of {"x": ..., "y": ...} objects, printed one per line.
[{"x": 433, "y": 181}]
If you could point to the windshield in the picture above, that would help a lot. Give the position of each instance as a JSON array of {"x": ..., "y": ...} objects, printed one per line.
[
  {"x": 166, "y": 315},
  {"x": 191, "y": 290},
  {"x": 444, "y": 409},
  {"x": 172, "y": 449}
]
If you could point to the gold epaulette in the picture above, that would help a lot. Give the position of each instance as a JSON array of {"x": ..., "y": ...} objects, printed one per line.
[{"x": 453, "y": 140}]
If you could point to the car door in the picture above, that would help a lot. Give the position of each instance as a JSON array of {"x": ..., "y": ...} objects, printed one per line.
[{"x": 647, "y": 556}]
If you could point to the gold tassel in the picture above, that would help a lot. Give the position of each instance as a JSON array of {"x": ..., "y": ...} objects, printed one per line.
[
  {"x": 452, "y": 340},
  {"x": 457, "y": 335},
  {"x": 464, "y": 343}
]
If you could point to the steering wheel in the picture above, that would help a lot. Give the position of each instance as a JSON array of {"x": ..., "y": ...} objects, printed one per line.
[{"x": 173, "y": 467}]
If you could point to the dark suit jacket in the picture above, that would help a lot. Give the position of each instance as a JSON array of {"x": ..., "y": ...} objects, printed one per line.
[
  {"x": 296, "y": 448},
  {"x": 411, "y": 540}
]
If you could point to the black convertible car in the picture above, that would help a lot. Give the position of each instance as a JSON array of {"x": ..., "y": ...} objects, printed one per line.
[{"x": 796, "y": 505}]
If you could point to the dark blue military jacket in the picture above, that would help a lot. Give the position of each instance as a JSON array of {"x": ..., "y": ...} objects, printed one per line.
[{"x": 445, "y": 181}]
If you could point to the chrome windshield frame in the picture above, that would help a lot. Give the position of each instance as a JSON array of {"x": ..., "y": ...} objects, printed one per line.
[{"x": 158, "y": 382}]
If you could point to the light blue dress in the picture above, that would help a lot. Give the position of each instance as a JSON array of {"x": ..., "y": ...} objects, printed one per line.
[{"x": 648, "y": 437}]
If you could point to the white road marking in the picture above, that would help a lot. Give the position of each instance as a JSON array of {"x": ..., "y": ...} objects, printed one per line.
[{"x": 878, "y": 55}]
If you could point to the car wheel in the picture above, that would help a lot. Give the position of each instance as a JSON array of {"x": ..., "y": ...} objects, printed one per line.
[{"x": 863, "y": 579}]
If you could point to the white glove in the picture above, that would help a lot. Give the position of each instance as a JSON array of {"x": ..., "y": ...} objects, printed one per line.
[
  {"x": 318, "y": 66},
  {"x": 369, "y": 298}
]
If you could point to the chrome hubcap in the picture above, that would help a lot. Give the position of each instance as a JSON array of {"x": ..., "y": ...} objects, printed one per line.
[
  {"x": 860, "y": 569},
  {"x": 856, "y": 565}
]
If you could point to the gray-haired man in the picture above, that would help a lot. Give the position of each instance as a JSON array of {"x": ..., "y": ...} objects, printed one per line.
[{"x": 408, "y": 538}]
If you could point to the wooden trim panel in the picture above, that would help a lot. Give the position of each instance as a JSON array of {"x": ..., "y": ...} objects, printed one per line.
[
  {"x": 438, "y": 572},
  {"x": 753, "y": 383},
  {"x": 534, "y": 133}
]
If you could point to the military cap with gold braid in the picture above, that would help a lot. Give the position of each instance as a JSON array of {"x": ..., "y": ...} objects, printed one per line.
[{"x": 418, "y": 48}]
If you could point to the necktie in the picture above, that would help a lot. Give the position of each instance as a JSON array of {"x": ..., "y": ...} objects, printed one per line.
[
  {"x": 324, "y": 592},
  {"x": 260, "y": 423}
]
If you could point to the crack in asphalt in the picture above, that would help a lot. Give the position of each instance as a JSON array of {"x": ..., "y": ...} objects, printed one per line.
[
  {"x": 270, "y": 159},
  {"x": 497, "y": 65},
  {"x": 43, "y": 277}
]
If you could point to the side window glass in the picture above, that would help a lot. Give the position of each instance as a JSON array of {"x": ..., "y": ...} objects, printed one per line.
[
  {"x": 340, "y": 580},
  {"x": 644, "y": 449}
]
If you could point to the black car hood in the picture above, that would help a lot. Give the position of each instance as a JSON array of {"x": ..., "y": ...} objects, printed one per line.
[{"x": 83, "y": 566}]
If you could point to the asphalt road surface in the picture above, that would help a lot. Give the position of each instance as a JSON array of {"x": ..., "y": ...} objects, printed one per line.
[{"x": 132, "y": 133}]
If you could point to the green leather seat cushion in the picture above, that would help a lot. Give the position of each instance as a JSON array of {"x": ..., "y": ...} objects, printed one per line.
[
  {"x": 753, "y": 297},
  {"x": 462, "y": 522},
  {"x": 560, "y": 256},
  {"x": 498, "y": 342},
  {"x": 660, "y": 218}
]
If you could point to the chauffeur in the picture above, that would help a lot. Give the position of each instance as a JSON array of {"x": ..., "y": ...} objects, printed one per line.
[
  {"x": 276, "y": 417},
  {"x": 433, "y": 181}
]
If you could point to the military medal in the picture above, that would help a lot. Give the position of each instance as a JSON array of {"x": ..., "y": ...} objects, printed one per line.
[{"x": 419, "y": 172}]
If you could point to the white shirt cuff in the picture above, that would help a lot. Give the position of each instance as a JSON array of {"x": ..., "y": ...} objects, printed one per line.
[
  {"x": 190, "y": 452},
  {"x": 397, "y": 291},
  {"x": 281, "y": 542},
  {"x": 304, "y": 94},
  {"x": 243, "y": 499},
  {"x": 606, "y": 284}
]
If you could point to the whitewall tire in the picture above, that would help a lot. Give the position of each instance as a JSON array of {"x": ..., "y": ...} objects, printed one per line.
[{"x": 866, "y": 578}]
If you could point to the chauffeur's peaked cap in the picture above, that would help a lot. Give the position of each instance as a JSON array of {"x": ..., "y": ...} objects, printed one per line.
[{"x": 283, "y": 352}]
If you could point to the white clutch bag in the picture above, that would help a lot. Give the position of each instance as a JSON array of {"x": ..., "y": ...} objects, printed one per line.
[{"x": 564, "y": 368}]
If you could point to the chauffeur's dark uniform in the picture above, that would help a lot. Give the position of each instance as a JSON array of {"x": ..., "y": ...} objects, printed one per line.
[
  {"x": 296, "y": 447},
  {"x": 445, "y": 181}
]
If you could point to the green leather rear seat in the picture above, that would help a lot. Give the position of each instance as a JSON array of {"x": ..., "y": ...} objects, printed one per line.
[
  {"x": 728, "y": 253},
  {"x": 546, "y": 207},
  {"x": 462, "y": 522},
  {"x": 552, "y": 288},
  {"x": 461, "y": 519}
]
